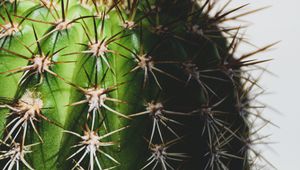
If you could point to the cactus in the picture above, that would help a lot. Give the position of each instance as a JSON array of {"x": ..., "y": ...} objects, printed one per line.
[{"x": 125, "y": 84}]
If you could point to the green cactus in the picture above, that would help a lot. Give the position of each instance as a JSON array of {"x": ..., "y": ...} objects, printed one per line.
[{"x": 124, "y": 84}]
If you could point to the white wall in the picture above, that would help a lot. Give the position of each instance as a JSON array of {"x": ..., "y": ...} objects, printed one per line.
[{"x": 280, "y": 22}]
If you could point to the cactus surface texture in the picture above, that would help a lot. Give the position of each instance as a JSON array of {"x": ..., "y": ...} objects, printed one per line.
[{"x": 126, "y": 84}]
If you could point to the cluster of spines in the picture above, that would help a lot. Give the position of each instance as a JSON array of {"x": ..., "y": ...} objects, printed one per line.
[{"x": 219, "y": 131}]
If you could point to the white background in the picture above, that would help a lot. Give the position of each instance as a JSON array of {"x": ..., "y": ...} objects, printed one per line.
[{"x": 279, "y": 22}]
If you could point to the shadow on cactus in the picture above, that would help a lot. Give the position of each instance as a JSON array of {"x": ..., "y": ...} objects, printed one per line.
[{"x": 133, "y": 84}]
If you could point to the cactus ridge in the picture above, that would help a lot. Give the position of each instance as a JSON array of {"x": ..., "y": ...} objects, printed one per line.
[{"x": 127, "y": 84}]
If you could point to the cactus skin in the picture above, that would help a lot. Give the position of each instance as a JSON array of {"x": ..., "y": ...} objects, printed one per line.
[{"x": 124, "y": 85}]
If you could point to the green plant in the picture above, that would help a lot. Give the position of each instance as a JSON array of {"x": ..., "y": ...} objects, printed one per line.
[{"x": 103, "y": 84}]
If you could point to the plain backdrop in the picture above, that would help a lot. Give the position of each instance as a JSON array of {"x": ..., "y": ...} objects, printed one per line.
[{"x": 279, "y": 22}]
